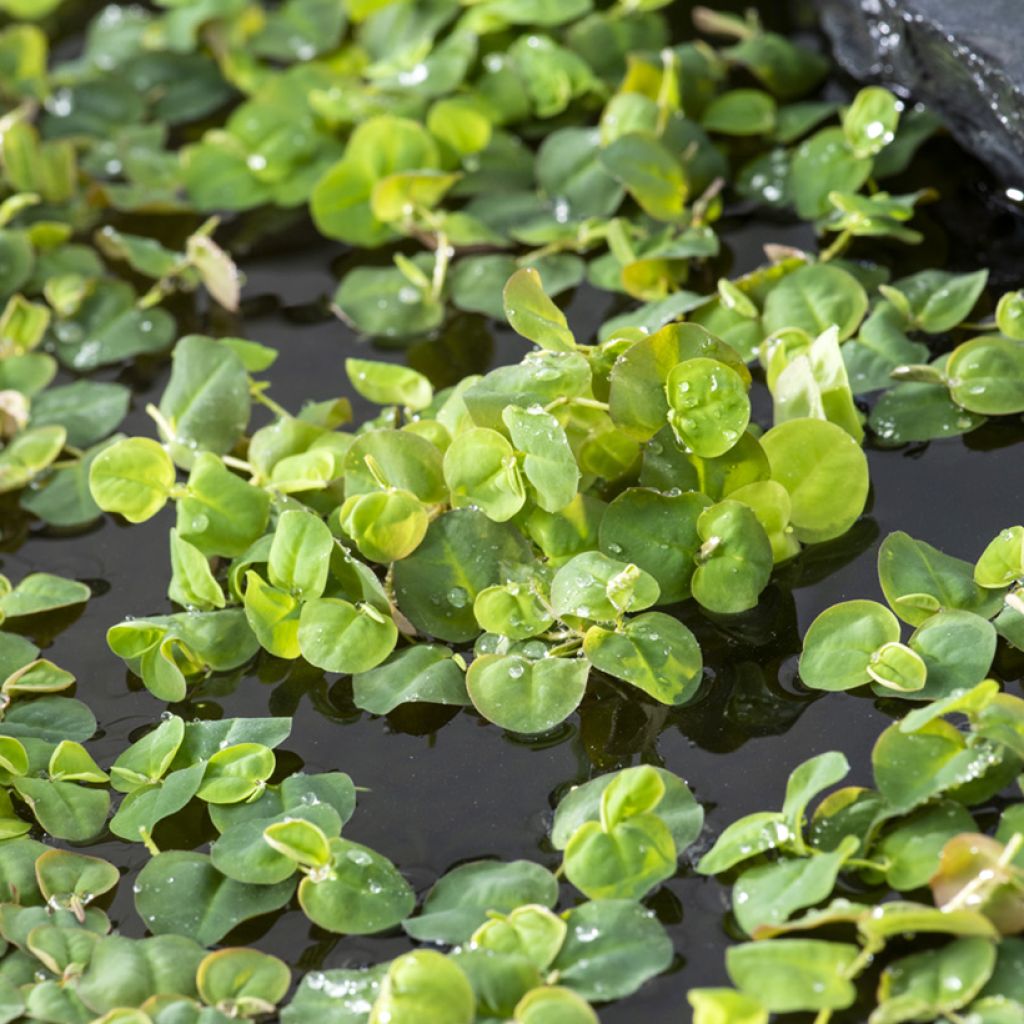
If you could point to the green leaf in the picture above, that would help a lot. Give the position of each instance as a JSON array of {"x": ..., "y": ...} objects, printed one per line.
[
  {"x": 957, "y": 649},
  {"x": 514, "y": 610},
  {"x": 808, "y": 780},
  {"x": 743, "y": 839},
  {"x": 424, "y": 985},
  {"x": 206, "y": 402},
  {"x": 39, "y": 676},
  {"x": 50, "y": 719},
  {"x": 934, "y": 983},
  {"x": 150, "y": 803},
  {"x": 183, "y": 894},
  {"x": 459, "y": 902},
  {"x": 335, "y": 996},
  {"x": 421, "y": 673},
  {"x": 771, "y": 893},
  {"x": 549, "y": 464},
  {"x": 70, "y": 761},
  {"x": 911, "y": 768},
  {"x": 569, "y": 171},
  {"x": 554, "y": 1005},
  {"x": 734, "y": 561},
  {"x": 132, "y": 477},
  {"x": 220, "y": 513},
  {"x": 912, "y": 411},
  {"x": 273, "y": 616},
  {"x": 814, "y": 298},
  {"x": 379, "y": 146},
  {"x": 127, "y": 972},
  {"x": 192, "y": 582},
  {"x": 657, "y": 532},
  {"x": 248, "y": 851},
  {"x": 42, "y": 592},
  {"x": 332, "y": 791},
  {"x": 725, "y": 1006},
  {"x": 462, "y": 554},
  {"x": 523, "y": 695},
  {"x": 620, "y": 860},
  {"x": 654, "y": 652},
  {"x": 403, "y": 459},
  {"x": 841, "y": 643},
  {"x": 612, "y": 947},
  {"x": 939, "y": 300},
  {"x": 64, "y": 500},
  {"x": 825, "y": 473},
  {"x": 65, "y": 876},
  {"x": 384, "y": 301},
  {"x": 477, "y": 282},
  {"x": 461, "y": 123},
  {"x": 28, "y": 454},
  {"x": 388, "y": 384},
  {"x": 300, "y": 554},
  {"x": 236, "y": 773},
  {"x": 677, "y": 808},
  {"x": 480, "y": 469},
  {"x": 986, "y": 376},
  {"x": 360, "y": 893},
  {"x": 338, "y": 636},
  {"x": 532, "y": 932},
  {"x": 911, "y": 849},
  {"x": 65, "y": 809},
  {"x": 533, "y": 315},
  {"x": 978, "y": 871},
  {"x": 88, "y": 410},
  {"x": 593, "y": 586},
  {"x": 918, "y": 580},
  {"x": 637, "y": 396},
  {"x": 302, "y": 842},
  {"x": 708, "y": 406},
  {"x": 740, "y": 112},
  {"x": 649, "y": 172},
  {"x": 242, "y": 981},
  {"x": 870, "y": 121},
  {"x": 787, "y": 975},
  {"x": 823, "y": 164},
  {"x": 1010, "y": 315},
  {"x": 1002, "y": 561}
]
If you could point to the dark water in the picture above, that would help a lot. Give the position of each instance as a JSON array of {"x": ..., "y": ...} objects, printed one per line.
[{"x": 445, "y": 787}]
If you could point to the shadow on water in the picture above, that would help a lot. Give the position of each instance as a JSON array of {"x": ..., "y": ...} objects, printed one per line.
[{"x": 443, "y": 787}]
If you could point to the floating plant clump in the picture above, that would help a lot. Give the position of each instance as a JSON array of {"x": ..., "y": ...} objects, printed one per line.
[{"x": 603, "y": 524}]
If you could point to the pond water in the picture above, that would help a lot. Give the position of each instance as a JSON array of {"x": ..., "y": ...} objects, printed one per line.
[{"x": 443, "y": 786}]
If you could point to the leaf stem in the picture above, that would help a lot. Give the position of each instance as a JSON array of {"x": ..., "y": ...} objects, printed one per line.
[
  {"x": 147, "y": 841},
  {"x": 162, "y": 423},
  {"x": 442, "y": 257},
  {"x": 257, "y": 392},
  {"x": 837, "y": 248},
  {"x": 246, "y": 467}
]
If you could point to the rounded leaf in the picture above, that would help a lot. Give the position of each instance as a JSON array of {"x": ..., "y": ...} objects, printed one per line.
[
  {"x": 361, "y": 892},
  {"x": 480, "y": 468},
  {"x": 132, "y": 477},
  {"x": 825, "y": 472},
  {"x": 986, "y": 375},
  {"x": 424, "y": 986},
  {"x": 708, "y": 406},
  {"x": 734, "y": 562},
  {"x": 523, "y": 695},
  {"x": 841, "y": 641},
  {"x": 242, "y": 982},
  {"x": 339, "y": 636},
  {"x": 654, "y": 652}
]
